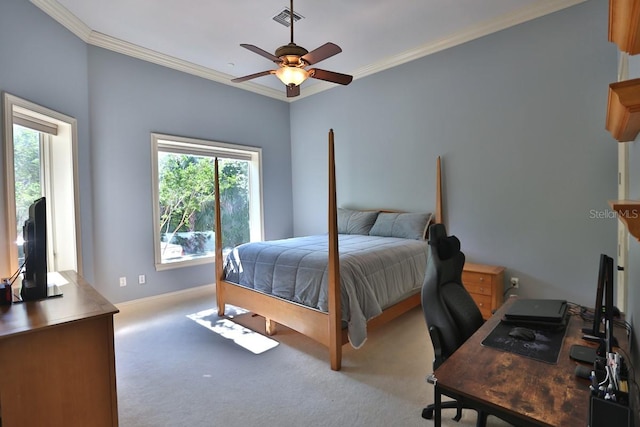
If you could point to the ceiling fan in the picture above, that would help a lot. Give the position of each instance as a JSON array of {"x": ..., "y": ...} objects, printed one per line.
[{"x": 293, "y": 60}]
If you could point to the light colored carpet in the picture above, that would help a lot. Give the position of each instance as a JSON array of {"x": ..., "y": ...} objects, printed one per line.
[{"x": 173, "y": 371}]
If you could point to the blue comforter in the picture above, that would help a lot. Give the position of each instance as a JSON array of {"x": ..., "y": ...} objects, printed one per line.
[{"x": 375, "y": 273}]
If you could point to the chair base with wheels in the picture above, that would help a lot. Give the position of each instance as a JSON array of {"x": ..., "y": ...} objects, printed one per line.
[
  {"x": 427, "y": 413},
  {"x": 458, "y": 405}
]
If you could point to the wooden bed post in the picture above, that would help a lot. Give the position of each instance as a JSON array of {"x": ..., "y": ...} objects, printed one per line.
[
  {"x": 218, "y": 243},
  {"x": 439, "y": 219},
  {"x": 325, "y": 328},
  {"x": 334, "y": 288}
]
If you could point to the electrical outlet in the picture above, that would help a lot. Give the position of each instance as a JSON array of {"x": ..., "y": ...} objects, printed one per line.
[
  {"x": 515, "y": 282},
  {"x": 141, "y": 279},
  {"x": 123, "y": 281}
]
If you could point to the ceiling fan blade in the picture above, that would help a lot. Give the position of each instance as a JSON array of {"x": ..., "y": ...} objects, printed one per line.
[
  {"x": 293, "y": 91},
  {"x": 252, "y": 76},
  {"x": 325, "y": 51},
  {"x": 261, "y": 52},
  {"x": 330, "y": 76}
]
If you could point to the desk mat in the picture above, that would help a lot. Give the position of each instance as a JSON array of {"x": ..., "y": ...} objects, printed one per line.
[{"x": 545, "y": 348}]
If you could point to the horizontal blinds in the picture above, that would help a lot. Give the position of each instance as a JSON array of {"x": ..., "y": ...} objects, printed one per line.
[
  {"x": 34, "y": 123},
  {"x": 203, "y": 150}
]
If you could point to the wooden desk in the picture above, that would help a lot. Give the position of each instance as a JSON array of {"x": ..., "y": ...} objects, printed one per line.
[
  {"x": 519, "y": 390},
  {"x": 57, "y": 362}
]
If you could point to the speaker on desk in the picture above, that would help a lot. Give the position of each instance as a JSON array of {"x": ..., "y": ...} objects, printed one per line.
[{"x": 605, "y": 413}]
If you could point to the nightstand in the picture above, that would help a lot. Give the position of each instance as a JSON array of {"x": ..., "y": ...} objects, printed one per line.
[{"x": 485, "y": 283}]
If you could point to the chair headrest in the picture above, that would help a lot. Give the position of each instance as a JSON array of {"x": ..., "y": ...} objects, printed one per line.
[
  {"x": 445, "y": 246},
  {"x": 448, "y": 247}
]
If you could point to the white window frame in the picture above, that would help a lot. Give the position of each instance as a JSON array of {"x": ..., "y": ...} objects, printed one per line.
[
  {"x": 202, "y": 147},
  {"x": 62, "y": 137}
]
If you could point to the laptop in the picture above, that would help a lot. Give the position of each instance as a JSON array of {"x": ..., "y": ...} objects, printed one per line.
[{"x": 547, "y": 311}]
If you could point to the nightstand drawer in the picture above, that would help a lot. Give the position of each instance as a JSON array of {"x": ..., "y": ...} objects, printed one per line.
[
  {"x": 485, "y": 284},
  {"x": 484, "y": 304},
  {"x": 477, "y": 288},
  {"x": 475, "y": 277}
]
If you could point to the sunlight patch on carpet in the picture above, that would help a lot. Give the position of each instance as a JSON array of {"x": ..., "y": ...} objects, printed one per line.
[{"x": 227, "y": 328}]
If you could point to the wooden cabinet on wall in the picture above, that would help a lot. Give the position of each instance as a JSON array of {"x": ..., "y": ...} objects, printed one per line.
[
  {"x": 485, "y": 283},
  {"x": 624, "y": 28},
  {"x": 623, "y": 110}
]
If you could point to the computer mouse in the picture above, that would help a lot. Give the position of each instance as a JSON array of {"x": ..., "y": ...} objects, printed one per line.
[{"x": 521, "y": 333}]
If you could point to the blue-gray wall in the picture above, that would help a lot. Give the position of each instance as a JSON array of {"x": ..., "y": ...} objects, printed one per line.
[
  {"x": 42, "y": 62},
  {"x": 519, "y": 120},
  {"x": 118, "y": 102},
  {"x": 129, "y": 99}
]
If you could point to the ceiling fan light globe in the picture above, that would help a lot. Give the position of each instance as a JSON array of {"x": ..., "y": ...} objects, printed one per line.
[{"x": 292, "y": 75}]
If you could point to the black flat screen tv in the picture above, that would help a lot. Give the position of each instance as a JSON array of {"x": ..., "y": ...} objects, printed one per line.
[{"x": 34, "y": 233}]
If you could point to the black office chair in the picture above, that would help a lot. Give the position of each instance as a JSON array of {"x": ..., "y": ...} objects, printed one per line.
[{"x": 451, "y": 314}]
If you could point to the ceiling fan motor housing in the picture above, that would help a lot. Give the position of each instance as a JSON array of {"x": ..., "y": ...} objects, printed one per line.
[{"x": 291, "y": 54}]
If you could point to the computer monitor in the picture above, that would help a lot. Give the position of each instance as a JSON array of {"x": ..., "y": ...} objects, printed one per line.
[
  {"x": 603, "y": 317},
  {"x": 609, "y": 339},
  {"x": 596, "y": 328}
]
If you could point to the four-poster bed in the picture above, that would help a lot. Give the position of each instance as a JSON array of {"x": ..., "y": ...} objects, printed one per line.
[{"x": 324, "y": 321}]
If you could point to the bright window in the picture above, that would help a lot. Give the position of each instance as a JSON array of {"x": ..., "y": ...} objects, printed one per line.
[
  {"x": 27, "y": 154},
  {"x": 183, "y": 177},
  {"x": 40, "y": 160}
]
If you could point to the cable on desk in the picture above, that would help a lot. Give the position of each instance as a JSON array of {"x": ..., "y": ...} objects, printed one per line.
[
  {"x": 587, "y": 314},
  {"x": 606, "y": 378},
  {"x": 574, "y": 309},
  {"x": 15, "y": 275}
]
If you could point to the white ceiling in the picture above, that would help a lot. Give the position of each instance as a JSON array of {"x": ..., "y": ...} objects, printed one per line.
[{"x": 203, "y": 37}]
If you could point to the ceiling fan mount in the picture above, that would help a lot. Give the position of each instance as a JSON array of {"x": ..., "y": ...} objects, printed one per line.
[{"x": 292, "y": 61}]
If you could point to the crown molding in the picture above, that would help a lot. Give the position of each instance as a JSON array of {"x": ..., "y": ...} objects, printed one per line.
[
  {"x": 317, "y": 87},
  {"x": 65, "y": 18},
  {"x": 129, "y": 49},
  {"x": 68, "y": 20},
  {"x": 58, "y": 12}
]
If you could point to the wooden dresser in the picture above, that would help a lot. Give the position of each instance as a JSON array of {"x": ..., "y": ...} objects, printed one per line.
[
  {"x": 485, "y": 283},
  {"x": 57, "y": 361}
]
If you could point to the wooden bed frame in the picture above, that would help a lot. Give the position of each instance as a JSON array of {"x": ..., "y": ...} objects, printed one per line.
[{"x": 324, "y": 327}]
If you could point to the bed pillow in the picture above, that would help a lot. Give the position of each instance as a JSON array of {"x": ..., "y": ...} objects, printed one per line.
[
  {"x": 404, "y": 225},
  {"x": 355, "y": 222}
]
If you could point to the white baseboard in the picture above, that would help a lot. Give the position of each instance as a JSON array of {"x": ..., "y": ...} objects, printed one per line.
[{"x": 167, "y": 295}]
